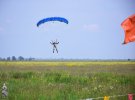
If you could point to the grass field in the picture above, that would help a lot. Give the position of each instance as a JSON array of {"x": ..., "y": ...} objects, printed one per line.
[{"x": 71, "y": 80}]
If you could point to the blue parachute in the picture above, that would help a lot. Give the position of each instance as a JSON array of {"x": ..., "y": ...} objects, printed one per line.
[{"x": 60, "y": 19}]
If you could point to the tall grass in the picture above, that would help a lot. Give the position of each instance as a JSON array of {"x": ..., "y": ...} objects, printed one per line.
[{"x": 61, "y": 81}]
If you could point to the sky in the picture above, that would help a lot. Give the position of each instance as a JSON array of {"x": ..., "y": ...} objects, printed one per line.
[{"x": 94, "y": 30}]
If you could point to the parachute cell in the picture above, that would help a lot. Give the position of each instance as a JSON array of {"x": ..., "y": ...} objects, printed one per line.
[{"x": 60, "y": 19}]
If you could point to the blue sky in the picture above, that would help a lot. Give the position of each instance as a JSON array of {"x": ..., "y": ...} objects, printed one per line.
[{"x": 93, "y": 32}]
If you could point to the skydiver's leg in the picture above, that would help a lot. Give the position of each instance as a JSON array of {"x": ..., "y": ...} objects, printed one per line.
[
  {"x": 56, "y": 49},
  {"x": 53, "y": 49}
]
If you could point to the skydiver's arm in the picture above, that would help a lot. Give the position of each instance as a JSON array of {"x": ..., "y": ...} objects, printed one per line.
[
  {"x": 57, "y": 43},
  {"x": 51, "y": 43}
]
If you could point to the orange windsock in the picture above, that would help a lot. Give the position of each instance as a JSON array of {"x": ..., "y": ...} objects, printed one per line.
[{"x": 129, "y": 27}]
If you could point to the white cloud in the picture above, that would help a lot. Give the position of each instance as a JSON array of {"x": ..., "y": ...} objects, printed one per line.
[{"x": 91, "y": 27}]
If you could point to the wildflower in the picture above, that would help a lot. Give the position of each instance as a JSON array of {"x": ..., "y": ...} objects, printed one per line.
[
  {"x": 95, "y": 88},
  {"x": 100, "y": 86},
  {"x": 111, "y": 87}
]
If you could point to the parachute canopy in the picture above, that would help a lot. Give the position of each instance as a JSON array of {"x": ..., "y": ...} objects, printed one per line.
[
  {"x": 129, "y": 27},
  {"x": 60, "y": 19}
]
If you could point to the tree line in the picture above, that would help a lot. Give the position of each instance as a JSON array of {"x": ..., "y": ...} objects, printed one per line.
[{"x": 14, "y": 58}]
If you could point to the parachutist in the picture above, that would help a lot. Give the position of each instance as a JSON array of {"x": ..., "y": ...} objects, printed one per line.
[{"x": 54, "y": 43}]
